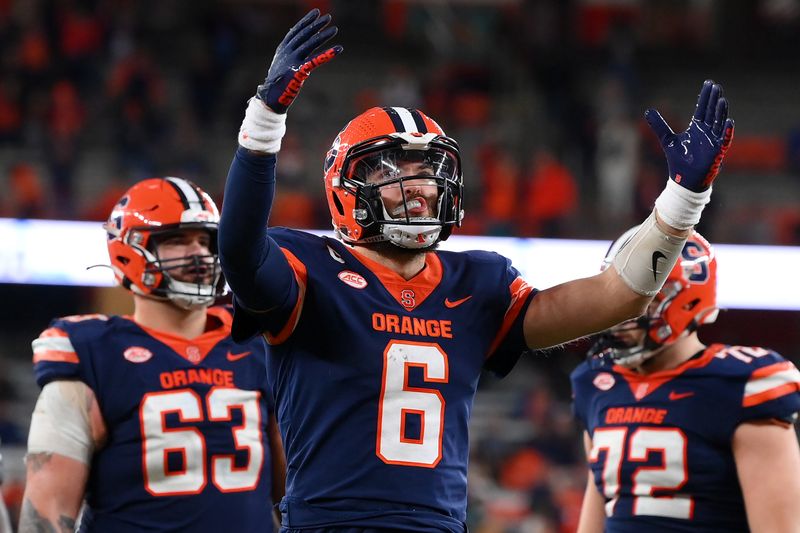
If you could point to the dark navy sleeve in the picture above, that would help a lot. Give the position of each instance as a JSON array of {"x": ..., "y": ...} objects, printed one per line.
[
  {"x": 60, "y": 351},
  {"x": 254, "y": 266},
  {"x": 772, "y": 389},
  {"x": 515, "y": 296},
  {"x": 579, "y": 395}
]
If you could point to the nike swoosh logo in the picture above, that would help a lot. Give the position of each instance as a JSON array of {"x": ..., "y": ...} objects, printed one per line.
[
  {"x": 679, "y": 395},
  {"x": 656, "y": 256},
  {"x": 455, "y": 303},
  {"x": 236, "y": 356}
]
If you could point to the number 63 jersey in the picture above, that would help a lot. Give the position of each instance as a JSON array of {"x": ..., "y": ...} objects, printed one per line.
[
  {"x": 186, "y": 445},
  {"x": 374, "y": 378},
  {"x": 661, "y": 443}
]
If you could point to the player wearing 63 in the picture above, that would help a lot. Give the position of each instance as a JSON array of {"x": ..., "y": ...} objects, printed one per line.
[
  {"x": 378, "y": 339},
  {"x": 681, "y": 436},
  {"x": 159, "y": 420}
]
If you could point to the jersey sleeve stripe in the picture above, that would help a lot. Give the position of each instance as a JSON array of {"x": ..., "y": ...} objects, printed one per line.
[
  {"x": 519, "y": 294},
  {"x": 54, "y": 332},
  {"x": 771, "y": 382},
  {"x": 55, "y": 356},
  {"x": 53, "y": 343},
  {"x": 301, "y": 275}
]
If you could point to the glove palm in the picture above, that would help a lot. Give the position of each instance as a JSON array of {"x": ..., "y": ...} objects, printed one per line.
[
  {"x": 295, "y": 58},
  {"x": 694, "y": 156}
]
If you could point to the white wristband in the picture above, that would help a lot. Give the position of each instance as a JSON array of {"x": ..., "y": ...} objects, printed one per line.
[
  {"x": 679, "y": 207},
  {"x": 262, "y": 129}
]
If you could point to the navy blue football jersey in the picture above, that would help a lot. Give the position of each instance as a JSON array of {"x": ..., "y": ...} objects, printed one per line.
[
  {"x": 374, "y": 379},
  {"x": 661, "y": 443},
  {"x": 186, "y": 446}
]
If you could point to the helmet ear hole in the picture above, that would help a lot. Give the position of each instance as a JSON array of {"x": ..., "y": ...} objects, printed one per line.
[
  {"x": 122, "y": 259},
  {"x": 337, "y": 203},
  {"x": 691, "y": 305}
]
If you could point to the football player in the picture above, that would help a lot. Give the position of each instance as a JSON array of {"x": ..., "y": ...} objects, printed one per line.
[
  {"x": 378, "y": 339},
  {"x": 158, "y": 420},
  {"x": 680, "y": 435}
]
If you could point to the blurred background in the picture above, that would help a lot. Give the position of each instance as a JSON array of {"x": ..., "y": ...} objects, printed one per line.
[{"x": 545, "y": 98}]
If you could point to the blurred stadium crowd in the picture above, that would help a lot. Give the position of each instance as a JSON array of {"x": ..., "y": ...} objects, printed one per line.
[{"x": 544, "y": 96}]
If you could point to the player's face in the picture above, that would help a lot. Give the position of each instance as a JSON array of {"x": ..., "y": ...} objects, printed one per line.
[
  {"x": 418, "y": 196},
  {"x": 186, "y": 254},
  {"x": 628, "y": 334}
]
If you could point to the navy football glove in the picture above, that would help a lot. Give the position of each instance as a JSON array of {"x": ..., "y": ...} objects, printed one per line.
[
  {"x": 694, "y": 156},
  {"x": 295, "y": 59}
]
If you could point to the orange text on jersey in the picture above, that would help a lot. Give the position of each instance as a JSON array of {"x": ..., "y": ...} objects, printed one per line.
[
  {"x": 407, "y": 325},
  {"x": 207, "y": 376},
  {"x": 629, "y": 415}
]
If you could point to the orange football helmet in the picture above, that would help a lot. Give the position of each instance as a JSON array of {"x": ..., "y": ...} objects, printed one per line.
[
  {"x": 148, "y": 211},
  {"x": 687, "y": 300},
  {"x": 377, "y": 143}
]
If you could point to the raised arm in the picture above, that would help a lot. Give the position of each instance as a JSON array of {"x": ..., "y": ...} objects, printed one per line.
[
  {"x": 694, "y": 156},
  {"x": 254, "y": 266}
]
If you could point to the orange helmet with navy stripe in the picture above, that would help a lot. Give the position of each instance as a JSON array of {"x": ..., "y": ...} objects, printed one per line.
[
  {"x": 687, "y": 300},
  {"x": 148, "y": 211},
  {"x": 379, "y": 140}
]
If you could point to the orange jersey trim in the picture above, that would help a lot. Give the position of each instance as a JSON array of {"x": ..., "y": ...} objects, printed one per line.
[
  {"x": 204, "y": 343},
  {"x": 643, "y": 384},
  {"x": 771, "y": 382},
  {"x": 520, "y": 290},
  {"x": 420, "y": 286},
  {"x": 301, "y": 275},
  {"x": 53, "y": 344},
  {"x": 55, "y": 356}
]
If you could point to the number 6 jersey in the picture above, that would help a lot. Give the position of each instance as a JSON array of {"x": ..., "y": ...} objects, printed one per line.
[
  {"x": 661, "y": 443},
  {"x": 374, "y": 378},
  {"x": 186, "y": 422}
]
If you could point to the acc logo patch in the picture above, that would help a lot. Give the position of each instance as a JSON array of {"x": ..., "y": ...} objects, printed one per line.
[
  {"x": 137, "y": 354},
  {"x": 604, "y": 381},
  {"x": 349, "y": 277}
]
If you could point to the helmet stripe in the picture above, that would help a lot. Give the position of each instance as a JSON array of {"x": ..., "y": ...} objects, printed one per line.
[
  {"x": 397, "y": 122},
  {"x": 421, "y": 127},
  {"x": 408, "y": 120},
  {"x": 189, "y": 196}
]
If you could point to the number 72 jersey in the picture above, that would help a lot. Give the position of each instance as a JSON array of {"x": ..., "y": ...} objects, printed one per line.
[{"x": 661, "y": 443}]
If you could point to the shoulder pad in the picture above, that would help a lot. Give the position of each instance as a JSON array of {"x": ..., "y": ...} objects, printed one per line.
[
  {"x": 55, "y": 343},
  {"x": 745, "y": 359}
]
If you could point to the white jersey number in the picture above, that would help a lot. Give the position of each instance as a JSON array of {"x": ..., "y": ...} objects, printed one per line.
[
  {"x": 672, "y": 474},
  {"x": 398, "y": 402},
  {"x": 158, "y": 441}
]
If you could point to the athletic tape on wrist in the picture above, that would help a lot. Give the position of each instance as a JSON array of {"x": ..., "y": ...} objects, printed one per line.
[
  {"x": 679, "y": 207},
  {"x": 262, "y": 129},
  {"x": 645, "y": 261}
]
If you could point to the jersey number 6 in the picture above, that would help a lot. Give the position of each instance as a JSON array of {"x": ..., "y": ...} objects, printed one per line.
[
  {"x": 399, "y": 401},
  {"x": 158, "y": 441}
]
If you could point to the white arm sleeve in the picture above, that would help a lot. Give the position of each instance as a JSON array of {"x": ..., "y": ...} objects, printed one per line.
[
  {"x": 61, "y": 421},
  {"x": 645, "y": 260}
]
